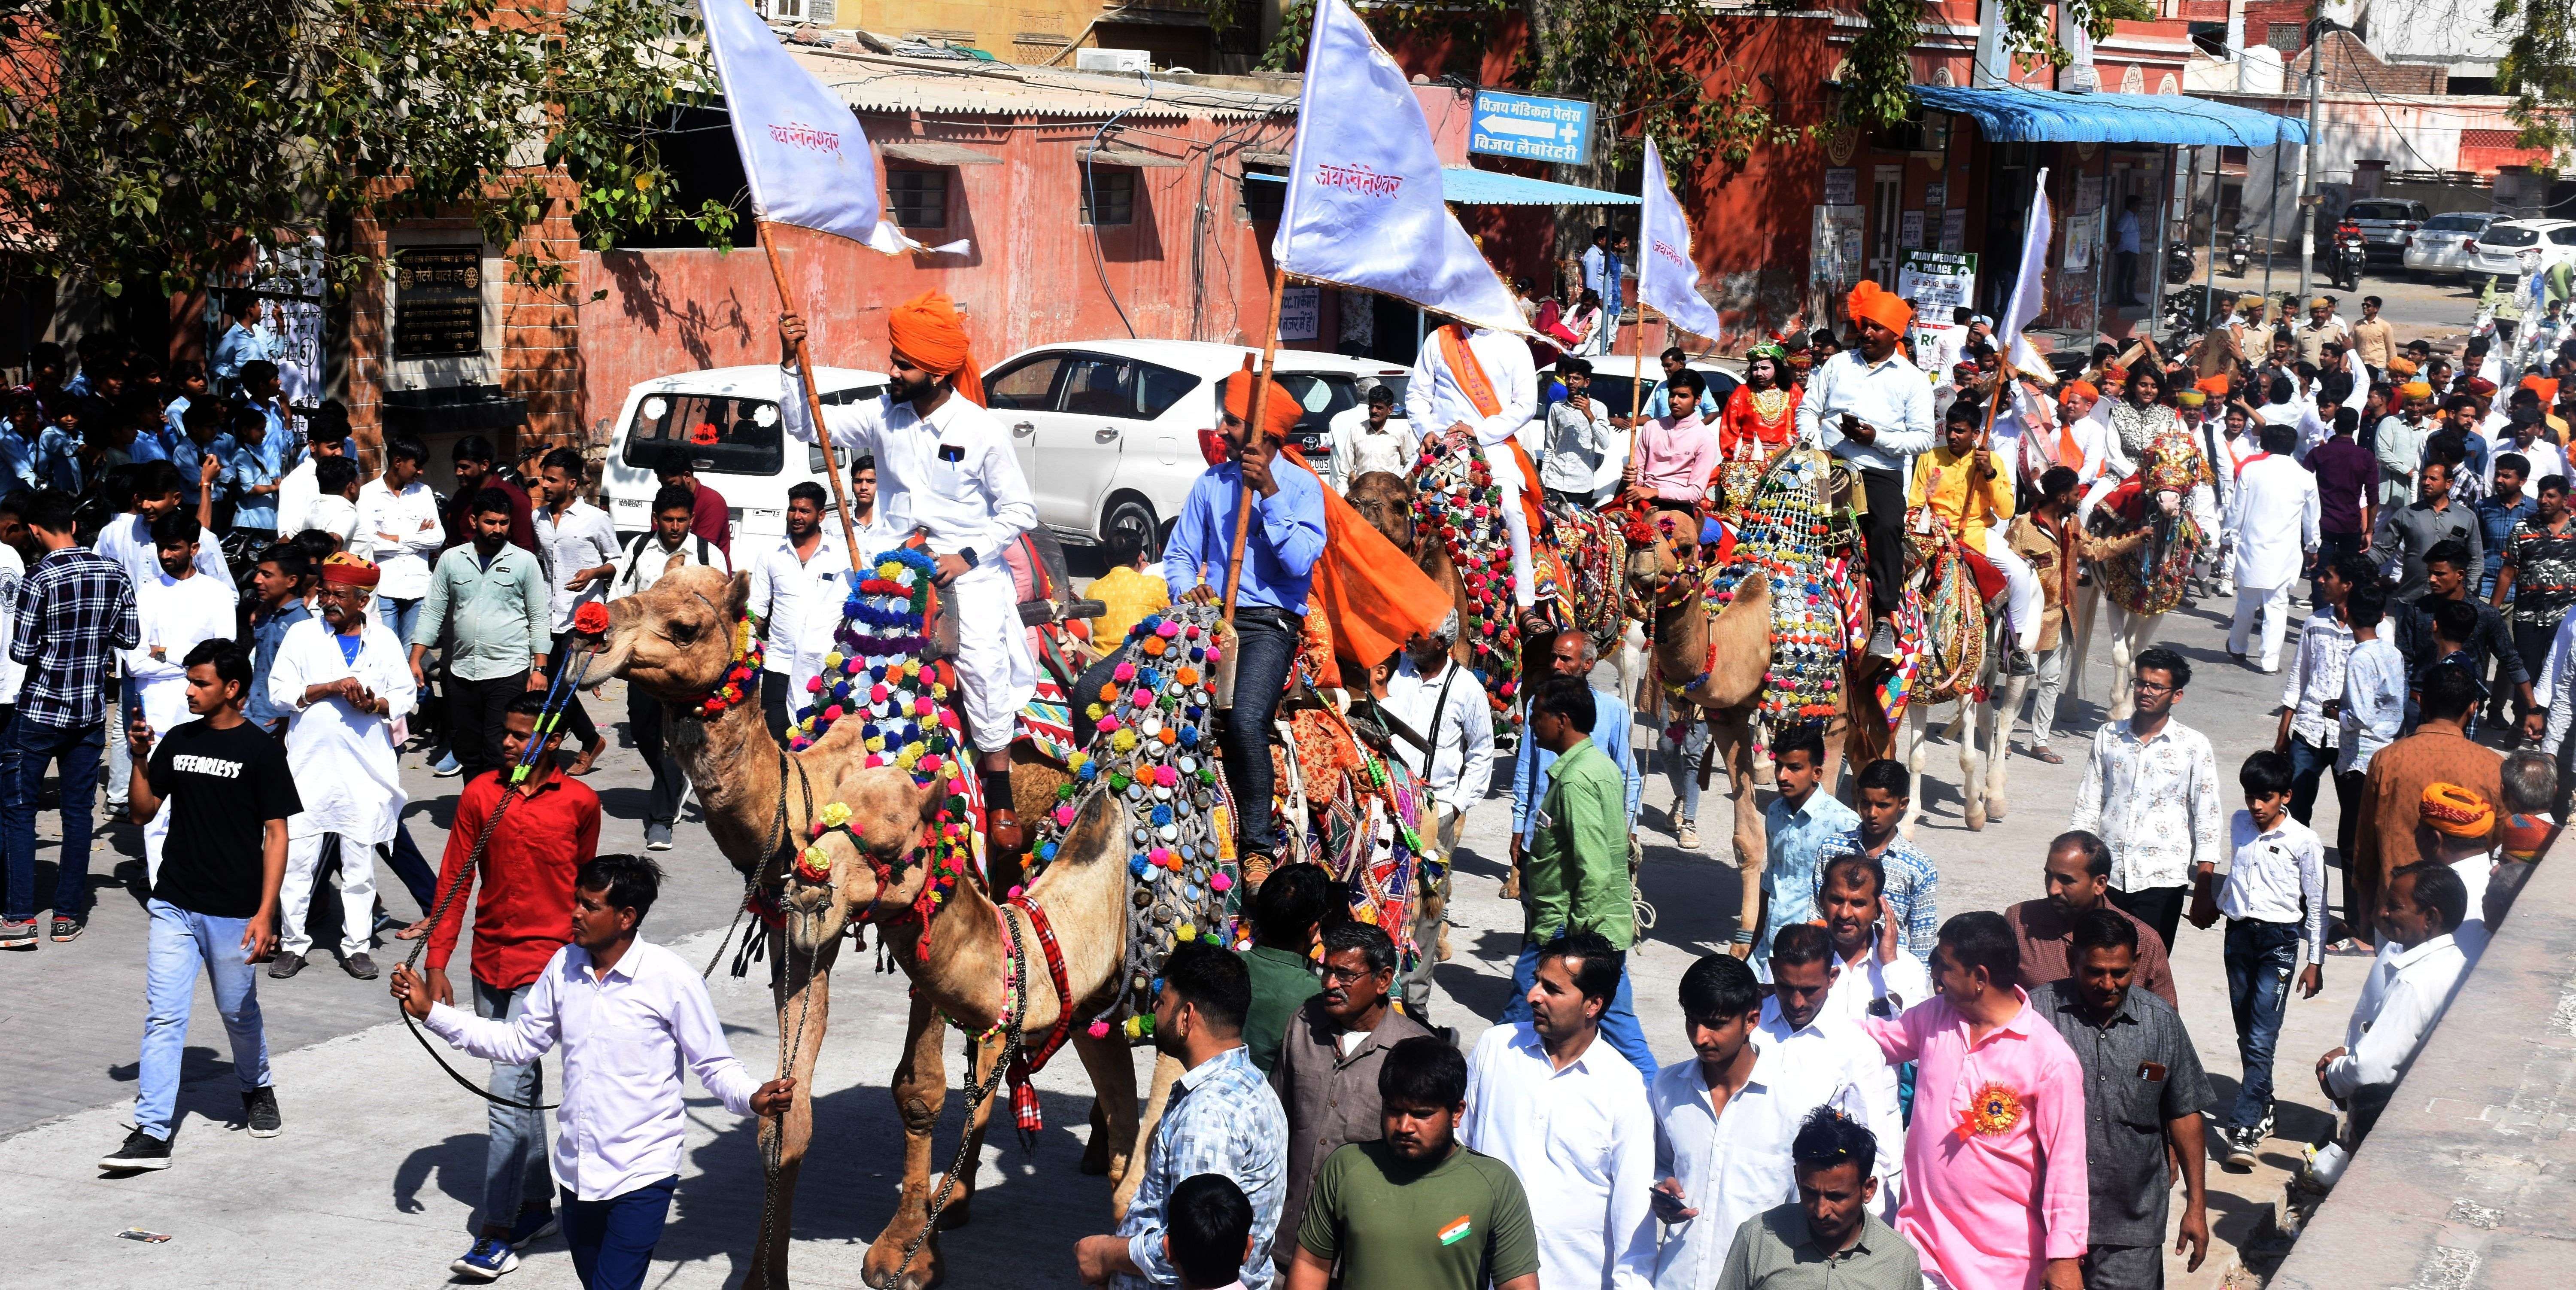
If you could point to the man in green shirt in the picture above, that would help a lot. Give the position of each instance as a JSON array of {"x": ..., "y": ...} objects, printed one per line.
[
  {"x": 491, "y": 598},
  {"x": 1827, "y": 1238},
  {"x": 1287, "y": 913},
  {"x": 1417, "y": 1211},
  {"x": 1575, "y": 876}
]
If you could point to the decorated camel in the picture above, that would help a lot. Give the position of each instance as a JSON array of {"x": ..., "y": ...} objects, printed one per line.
[
  {"x": 1963, "y": 650},
  {"x": 2142, "y": 537},
  {"x": 839, "y": 833}
]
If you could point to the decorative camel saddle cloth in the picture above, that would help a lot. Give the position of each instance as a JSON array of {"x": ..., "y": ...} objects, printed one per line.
[
  {"x": 1783, "y": 530},
  {"x": 1361, "y": 809},
  {"x": 1456, "y": 501}
]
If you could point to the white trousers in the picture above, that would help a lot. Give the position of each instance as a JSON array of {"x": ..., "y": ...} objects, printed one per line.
[
  {"x": 1507, "y": 476},
  {"x": 2022, "y": 590},
  {"x": 357, "y": 883},
  {"x": 2274, "y": 605},
  {"x": 994, "y": 666}
]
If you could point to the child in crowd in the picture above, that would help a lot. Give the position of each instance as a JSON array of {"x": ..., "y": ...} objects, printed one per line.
[
  {"x": 2275, "y": 903},
  {"x": 1911, "y": 879}
]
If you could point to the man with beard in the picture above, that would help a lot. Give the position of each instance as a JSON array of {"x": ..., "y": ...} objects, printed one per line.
[
  {"x": 474, "y": 460},
  {"x": 2078, "y": 878},
  {"x": 1330, "y": 1064},
  {"x": 490, "y": 599},
  {"x": 946, "y": 467},
  {"x": 1222, "y": 1119},
  {"x": 1872, "y": 408}
]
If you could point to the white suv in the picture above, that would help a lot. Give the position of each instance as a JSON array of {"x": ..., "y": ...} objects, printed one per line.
[
  {"x": 727, "y": 419},
  {"x": 2499, "y": 249},
  {"x": 1107, "y": 430}
]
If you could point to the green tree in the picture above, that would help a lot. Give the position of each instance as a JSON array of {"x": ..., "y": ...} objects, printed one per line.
[
  {"x": 142, "y": 141},
  {"x": 2539, "y": 70}
]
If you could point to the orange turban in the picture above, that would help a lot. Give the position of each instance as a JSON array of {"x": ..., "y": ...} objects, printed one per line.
[
  {"x": 2415, "y": 390},
  {"x": 2401, "y": 367},
  {"x": 349, "y": 571},
  {"x": 2546, "y": 389},
  {"x": 2085, "y": 388},
  {"x": 2215, "y": 386},
  {"x": 2456, "y": 812},
  {"x": 1876, "y": 304},
  {"x": 928, "y": 330},
  {"x": 1279, "y": 412}
]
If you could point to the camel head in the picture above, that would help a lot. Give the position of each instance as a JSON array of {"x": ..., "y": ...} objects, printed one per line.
[
  {"x": 1662, "y": 546},
  {"x": 1386, "y": 502},
  {"x": 675, "y": 639},
  {"x": 884, "y": 872}
]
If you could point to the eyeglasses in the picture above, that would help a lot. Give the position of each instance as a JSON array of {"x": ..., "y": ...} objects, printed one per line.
[
  {"x": 2154, "y": 687},
  {"x": 1346, "y": 976}
]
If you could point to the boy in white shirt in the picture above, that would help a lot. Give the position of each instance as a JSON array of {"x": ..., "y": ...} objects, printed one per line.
[
  {"x": 2275, "y": 904},
  {"x": 2372, "y": 714},
  {"x": 333, "y": 508},
  {"x": 177, "y": 609}
]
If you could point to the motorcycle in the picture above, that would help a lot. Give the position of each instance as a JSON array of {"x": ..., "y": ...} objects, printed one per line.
[
  {"x": 2351, "y": 252},
  {"x": 2179, "y": 266},
  {"x": 2240, "y": 255}
]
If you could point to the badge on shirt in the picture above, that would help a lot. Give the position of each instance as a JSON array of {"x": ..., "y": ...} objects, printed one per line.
[
  {"x": 1993, "y": 1109},
  {"x": 1456, "y": 1230}
]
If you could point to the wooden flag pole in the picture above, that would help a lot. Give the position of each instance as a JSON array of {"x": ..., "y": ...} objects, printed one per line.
[
  {"x": 814, "y": 401},
  {"x": 1252, "y": 426},
  {"x": 1636, "y": 385}
]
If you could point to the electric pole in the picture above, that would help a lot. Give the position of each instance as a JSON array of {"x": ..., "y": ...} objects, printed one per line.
[{"x": 2317, "y": 29}]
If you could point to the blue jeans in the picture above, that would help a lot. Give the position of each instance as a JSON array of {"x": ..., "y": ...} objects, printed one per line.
[
  {"x": 1681, "y": 768},
  {"x": 1265, "y": 647},
  {"x": 176, "y": 943},
  {"x": 612, "y": 1240},
  {"x": 514, "y": 1156},
  {"x": 28, "y": 747},
  {"x": 399, "y": 617},
  {"x": 1618, "y": 1021},
  {"x": 126, "y": 700},
  {"x": 2308, "y": 764},
  {"x": 2260, "y": 957}
]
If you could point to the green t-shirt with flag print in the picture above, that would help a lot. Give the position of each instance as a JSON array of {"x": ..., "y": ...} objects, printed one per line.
[{"x": 1393, "y": 1224}]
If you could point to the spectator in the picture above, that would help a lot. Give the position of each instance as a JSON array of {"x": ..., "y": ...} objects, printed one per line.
[
  {"x": 2274, "y": 529},
  {"x": 1911, "y": 882},
  {"x": 863, "y": 492},
  {"x": 2539, "y": 576},
  {"x": 282, "y": 584},
  {"x": 577, "y": 551},
  {"x": 1329, "y": 1068},
  {"x": 334, "y": 506},
  {"x": 2530, "y": 827},
  {"x": 666, "y": 546},
  {"x": 2439, "y": 752},
  {"x": 1577, "y": 872},
  {"x": 344, "y": 675},
  {"x": 473, "y": 458},
  {"x": 75, "y": 610},
  {"x": 1370, "y": 439},
  {"x": 805, "y": 576},
  {"x": 2347, "y": 491},
  {"x": 2374, "y": 710},
  {"x": 1579, "y": 439},
  {"x": 302, "y": 485},
  {"x": 398, "y": 522},
  {"x": 522, "y": 918},
  {"x": 2313, "y": 691},
  {"x": 2144, "y": 1090},
  {"x": 127, "y": 539},
  {"x": 2275, "y": 903},
  {"x": 1570, "y": 653},
  {"x": 1287, "y": 915},
  {"x": 1725, "y": 1118},
  {"x": 2458, "y": 830},
  {"x": 1870, "y": 978},
  {"x": 1797, "y": 825},
  {"x": 2526, "y": 419},
  {"x": 1222, "y": 1119},
  {"x": 213, "y": 902},
  {"x": 2420, "y": 908},
  {"x": 1416, "y": 1210},
  {"x": 2011, "y": 1214},
  {"x": 2047, "y": 540},
  {"x": 490, "y": 603},
  {"x": 1132, "y": 588},
  {"x": 2481, "y": 638},
  {"x": 1573, "y": 1122},
  {"x": 621, "y": 1082},
  {"x": 1210, "y": 1234},
  {"x": 2078, "y": 878},
  {"x": 175, "y": 611},
  {"x": 2409, "y": 533},
  {"x": 2506, "y": 505},
  {"x": 708, "y": 516},
  {"x": 2151, "y": 794},
  {"x": 1444, "y": 730},
  {"x": 1828, "y": 1237}
]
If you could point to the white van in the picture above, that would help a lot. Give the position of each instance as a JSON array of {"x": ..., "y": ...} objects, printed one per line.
[{"x": 727, "y": 417}]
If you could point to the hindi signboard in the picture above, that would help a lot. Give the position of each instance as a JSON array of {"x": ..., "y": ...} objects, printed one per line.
[
  {"x": 1937, "y": 282},
  {"x": 1530, "y": 127},
  {"x": 1301, "y": 313}
]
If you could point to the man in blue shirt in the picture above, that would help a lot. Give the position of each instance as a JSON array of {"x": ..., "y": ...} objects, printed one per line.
[
  {"x": 283, "y": 580},
  {"x": 2498, "y": 512},
  {"x": 1572, "y": 654},
  {"x": 243, "y": 342},
  {"x": 1280, "y": 548}
]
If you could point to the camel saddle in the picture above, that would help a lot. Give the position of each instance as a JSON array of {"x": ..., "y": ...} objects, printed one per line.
[{"x": 1038, "y": 571}]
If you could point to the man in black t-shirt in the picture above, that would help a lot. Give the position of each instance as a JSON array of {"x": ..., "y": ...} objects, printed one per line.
[{"x": 228, "y": 792}]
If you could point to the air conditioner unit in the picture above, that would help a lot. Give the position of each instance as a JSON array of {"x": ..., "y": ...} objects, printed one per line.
[{"x": 1111, "y": 60}]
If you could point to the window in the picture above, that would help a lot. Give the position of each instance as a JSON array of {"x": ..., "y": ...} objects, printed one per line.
[
  {"x": 1108, "y": 196},
  {"x": 1158, "y": 388},
  {"x": 724, "y": 435},
  {"x": 2288, "y": 37},
  {"x": 1027, "y": 387},
  {"x": 2511, "y": 235},
  {"x": 919, "y": 197},
  {"x": 2563, "y": 236},
  {"x": 1101, "y": 387},
  {"x": 789, "y": 9},
  {"x": 2456, "y": 223}
]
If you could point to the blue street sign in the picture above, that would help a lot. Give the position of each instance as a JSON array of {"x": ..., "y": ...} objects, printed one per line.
[{"x": 1531, "y": 128}]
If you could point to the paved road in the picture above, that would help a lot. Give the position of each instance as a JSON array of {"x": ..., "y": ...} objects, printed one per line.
[
  {"x": 2437, "y": 311},
  {"x": 380, "y": 1155}
]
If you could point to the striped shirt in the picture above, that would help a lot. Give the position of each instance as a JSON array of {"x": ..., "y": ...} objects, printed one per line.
[{"x": 74, "y": 612}]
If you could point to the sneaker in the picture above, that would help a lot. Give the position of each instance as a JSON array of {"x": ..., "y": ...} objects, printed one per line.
[
  {"x": 443, "y": 768},
  {"x": 2018, "y": 663},
  {"x": 360, "y": 966},
  {"x": 68, "y": 929},
  {"x": 285, "y": 965},
  {"x": 141, "y": 1151},
  {"x": 2240, "y": 1145},
  {"x": 1686, "y": 834},
  {"x": 18, "y": 934},
  {"x": 489, "y": 1260},
  {"x": 1882, "y": 641},
  {"x": 259, "y": 1106},
  {"x": 657, "y": 837},
  {"x": 534, "y": 1225}
]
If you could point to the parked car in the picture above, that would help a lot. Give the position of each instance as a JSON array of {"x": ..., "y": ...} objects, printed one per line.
[
  {"x": 1107, "y": 430},
  {"x": 2498, "y": 251},
  {"x": 727, "y": 417},
  {"x": 2387, "y": 223},
  {"x": 2441, "y": 248}
]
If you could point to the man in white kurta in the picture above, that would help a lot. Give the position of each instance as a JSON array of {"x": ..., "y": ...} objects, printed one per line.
[
  {"x": 1437, "y": 402},
  {"x": 180, "y": 607},
  {"x": 2275, "y": 528},
  {"x": 346, "y": 678}
]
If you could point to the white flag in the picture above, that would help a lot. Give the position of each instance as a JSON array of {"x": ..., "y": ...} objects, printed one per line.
[
  {"x": 808, "y": 161},
  {"x": 2030, "y": 288},
  {"x": 1363, "y": 207},
  {"x": 1669, "y": 279}
]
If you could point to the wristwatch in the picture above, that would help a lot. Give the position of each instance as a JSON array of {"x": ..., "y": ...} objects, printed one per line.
[{"x": 967, "y": 554}]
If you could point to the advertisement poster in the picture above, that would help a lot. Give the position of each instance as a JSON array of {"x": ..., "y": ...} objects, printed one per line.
[
  {"x": 1301, "y": 313},
  {"x": 1834, "y": 259},
  {"x": 2082, "y": 231},
  {"x": 1842, "y": 186},
  {"x": 1909, "y": 231},
  {"x": 1936, "y": 194},
  {"x": 1936, "y": 282},
  {"x": 1954, "y": 230},
  {"x": 2088, "y": 194}
]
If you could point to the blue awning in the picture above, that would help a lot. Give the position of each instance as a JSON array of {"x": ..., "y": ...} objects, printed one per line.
[
  {"x": 2020, "y": 114},
  {"x": 1493, "y": 188}
]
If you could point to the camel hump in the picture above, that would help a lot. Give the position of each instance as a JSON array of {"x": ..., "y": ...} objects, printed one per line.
[{"x": 1096, "y": 833}]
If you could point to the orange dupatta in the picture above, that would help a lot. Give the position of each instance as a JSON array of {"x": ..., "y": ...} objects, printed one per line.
[
  {"x": 1366, "y": 589},
  {"x": 1479, "y": 389}
]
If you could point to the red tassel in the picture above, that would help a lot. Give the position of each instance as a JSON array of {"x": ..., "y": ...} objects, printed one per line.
[{"x": 1024, "y": 1100}]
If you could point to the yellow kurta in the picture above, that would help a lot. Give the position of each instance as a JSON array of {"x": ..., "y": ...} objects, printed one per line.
[{"x": 1941, "y": 481}]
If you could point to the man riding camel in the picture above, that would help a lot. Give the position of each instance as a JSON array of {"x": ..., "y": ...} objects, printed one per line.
[
  {"x": 1475, "y": 385},
  {"x": 945, "y": 470},
  {"x": 1871, "y": 407}
]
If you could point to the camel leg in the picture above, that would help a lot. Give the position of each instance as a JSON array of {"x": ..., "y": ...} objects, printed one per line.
[
  {"x": 2123, "y": 656},
  {"x": 958, "y": 1212},
  {"x": 1166, "y": 1070},
  {"x": 1972, "y": 799},
  {"x": 1112, "y": 1067},
  {"x": 803, "y": 989},
  {"x": 920, "y": 1093},
  {"x": 1095, "y": 1152},
  {"x": 1910, "y": 741},
  {"x": 1731, "y": 734}
]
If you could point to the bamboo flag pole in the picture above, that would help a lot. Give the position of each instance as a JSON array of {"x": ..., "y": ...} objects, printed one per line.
[
  {"x": 1636, "y": 383},
  {"x": 813, "y": 400},
  {"x": 1252, "y": 426}
]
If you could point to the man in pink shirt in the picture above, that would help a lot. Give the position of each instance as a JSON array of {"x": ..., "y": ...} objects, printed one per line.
[
  {"x": 1675, "y": 454},
  {"x": 1996, "y": 1188}
]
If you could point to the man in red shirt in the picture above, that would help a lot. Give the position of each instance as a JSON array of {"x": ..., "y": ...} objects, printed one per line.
[
  {"x": 711, "y": 520},
  {"x": 524, "y": 915}
]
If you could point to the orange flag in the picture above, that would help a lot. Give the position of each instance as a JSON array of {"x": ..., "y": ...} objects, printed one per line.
[{"x": 1370, "y": 592}]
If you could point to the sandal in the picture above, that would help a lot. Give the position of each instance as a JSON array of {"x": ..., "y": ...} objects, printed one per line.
[
  {"x": 2348, "y": 948},
  {"x": 2042, "y": 752}
]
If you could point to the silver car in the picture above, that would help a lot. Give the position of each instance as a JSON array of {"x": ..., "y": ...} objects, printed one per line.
[{"x": 2441, "y": 248}]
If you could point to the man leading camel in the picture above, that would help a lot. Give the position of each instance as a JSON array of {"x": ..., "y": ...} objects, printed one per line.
[
  {"x": 945, "y": 469},
  {"x": 1871, "y": 407}
]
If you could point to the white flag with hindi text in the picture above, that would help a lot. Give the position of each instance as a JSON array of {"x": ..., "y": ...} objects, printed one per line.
[
  {"x": 1363, "y": 207},
  {"x": 2030, "y": 285},
  {"x": 1668, "y": 278}
]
